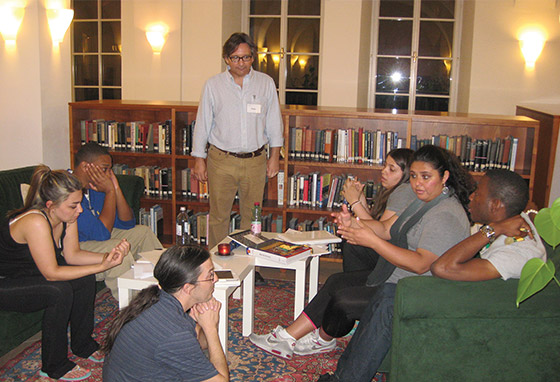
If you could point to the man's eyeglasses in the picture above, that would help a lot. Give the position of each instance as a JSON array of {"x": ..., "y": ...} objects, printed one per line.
[
  {"x": 236, "y": 59},
  {"x": 212, "y": 278}
]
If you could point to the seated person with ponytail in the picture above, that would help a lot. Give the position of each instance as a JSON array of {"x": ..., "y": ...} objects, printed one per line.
[
  {"x": 43, "y": 267},
  {"x": 393, "y": 196},
  {"x": 407, "y": 244},
  {"x": 160, "y": 336}
]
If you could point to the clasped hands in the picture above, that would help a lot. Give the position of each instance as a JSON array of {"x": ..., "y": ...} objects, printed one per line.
[
  {"x": 514, "y": 226},
  {"x": 352, "y": 229},
  {"x": 206, "y": 313},
  {"x": 115, "y": 257}
]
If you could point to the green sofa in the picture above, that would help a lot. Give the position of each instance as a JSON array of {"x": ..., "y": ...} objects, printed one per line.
[
  {"x": 17, "y": 327},
  {"x": 472, "y": 331}
]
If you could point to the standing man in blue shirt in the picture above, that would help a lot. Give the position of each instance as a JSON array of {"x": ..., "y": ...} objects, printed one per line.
[
  {"x": 107, "y": 218},
  {"x": 237, "y": 116}
]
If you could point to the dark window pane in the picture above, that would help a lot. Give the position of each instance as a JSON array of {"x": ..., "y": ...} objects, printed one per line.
[
  {"x": 111, "y": 70},
  {"x": 296, "y": 98},
  {"x": 304, "y": 7},
  {"x": 436, "y": 39},
  {"x": 85, "y": 37},
  {"x": 110, "y": 9},
  {"x": 433, "y": 77},
  {"x": 396, "y": 8},
  {"x": 86, "y": 70},
  {"x": 266, "y": 34},
  {"x": 432, "y": 104},
  {"x": 86, "y": 94},
  {"x": 437, "y": 9},
  {"x": 393, "y": 75},
  {"x": 269, "y": 64},
  {"x": 391, "y": 102},
  {"x": 302, "y": 72},
  {"x": 85, "y": 9},
  {"x": 395, "y": 37},
  {"x": 112, "y": 94},
  {"x": 111, "y": 37},
  {"x": 303, "y": 35},
  {"x": 265, "y": 7}
]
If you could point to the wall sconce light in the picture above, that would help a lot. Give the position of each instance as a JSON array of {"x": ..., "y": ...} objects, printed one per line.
[
  {"x": 276, "y": 59},
  {"x": 10, "y": 21},
  {"x": 531, "y": 43},
  {"x": 262, "y": 55},
  {"x": 156, "y": 35},
  {"x": 59, "y": 21}
]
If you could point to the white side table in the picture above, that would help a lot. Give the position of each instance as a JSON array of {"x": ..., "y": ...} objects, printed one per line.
[{"x": 241, "y": 266}]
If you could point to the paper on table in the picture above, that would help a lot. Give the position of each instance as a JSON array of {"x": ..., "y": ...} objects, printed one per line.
[
  {"x": 152, "y": 256},
  {"x": 143, "y": 269},
  {"x": 309, "y": 237}
]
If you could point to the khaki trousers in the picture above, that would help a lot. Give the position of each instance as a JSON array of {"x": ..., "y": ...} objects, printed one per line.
[
  {"x": 141, "y": 239},
  {"x": 228, "y": 175}
]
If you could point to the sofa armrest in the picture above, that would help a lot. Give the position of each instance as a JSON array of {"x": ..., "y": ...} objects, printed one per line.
[
  {"x": 449, "y": 330},
  {"x": 132, "y": 187},
  {"x": 10, "y": 193}
]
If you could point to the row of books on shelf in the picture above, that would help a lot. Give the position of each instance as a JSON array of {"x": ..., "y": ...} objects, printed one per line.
[
  {"x": 187, "y": 138},
  {"x": 153, "y": 218},
  {"x": 133, "y": 136},
  {"x": 157, "y": 180},
  {"x": 190, "y": 187},
  {"x": 322, "y": 190},
  {"x": 476, "y": 154},
  {"x": 343, "y": 145}
]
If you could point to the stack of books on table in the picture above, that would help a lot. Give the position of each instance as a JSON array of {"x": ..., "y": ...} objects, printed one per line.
[{"x": 270, "y": 249}]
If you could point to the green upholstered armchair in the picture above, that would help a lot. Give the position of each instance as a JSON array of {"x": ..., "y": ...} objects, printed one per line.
[{"x": 472, "y": 331}]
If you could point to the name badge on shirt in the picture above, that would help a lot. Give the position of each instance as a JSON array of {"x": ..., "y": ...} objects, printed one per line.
[{"x": 253, "y": 108}]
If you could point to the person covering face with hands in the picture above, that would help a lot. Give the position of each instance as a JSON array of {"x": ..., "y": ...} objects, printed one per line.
[{"x": 107, "y": 218}]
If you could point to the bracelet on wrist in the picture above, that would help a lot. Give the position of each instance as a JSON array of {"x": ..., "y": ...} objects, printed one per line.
[
  {"x": 532, "y": 212},
  {"x": 351, "y": 205}
]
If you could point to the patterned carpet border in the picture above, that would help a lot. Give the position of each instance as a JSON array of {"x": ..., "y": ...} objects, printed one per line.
[{"x": 273, "y": 306}]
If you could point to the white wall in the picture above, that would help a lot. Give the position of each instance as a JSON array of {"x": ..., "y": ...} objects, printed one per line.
[
  {"x": 147, "y": 76},
  {"x": 34, "y": 95},
  {"x": 20, "y": 97},
  {"x": 338, "y": 70},
  {"x": 191, "y": 54},
  {"x": 499, "y": 80}
]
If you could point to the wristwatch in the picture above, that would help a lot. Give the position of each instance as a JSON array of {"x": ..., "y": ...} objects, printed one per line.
[{"x": 489, "y": 232}]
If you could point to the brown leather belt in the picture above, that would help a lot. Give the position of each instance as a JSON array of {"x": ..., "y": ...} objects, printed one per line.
[{"x": 253, "y": 154}]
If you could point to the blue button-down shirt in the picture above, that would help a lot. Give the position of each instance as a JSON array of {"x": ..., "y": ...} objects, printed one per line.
[{"x": 238, "y": 119}]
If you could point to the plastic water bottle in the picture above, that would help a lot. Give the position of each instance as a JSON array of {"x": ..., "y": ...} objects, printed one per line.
[
  {"x": 182, "y": 227},
  {"x": 256, "y": 219}
]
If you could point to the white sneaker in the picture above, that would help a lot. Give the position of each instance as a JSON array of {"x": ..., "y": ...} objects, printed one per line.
[
  {"x": 278, "y": 342},
  {"x": 312, "y": 343}
]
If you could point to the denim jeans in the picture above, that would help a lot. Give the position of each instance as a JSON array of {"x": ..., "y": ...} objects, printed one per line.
[{"x": 371, "y": 341}]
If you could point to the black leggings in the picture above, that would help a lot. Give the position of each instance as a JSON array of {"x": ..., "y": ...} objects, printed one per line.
[
  {"x": 63, "y": 301},
  {"x": 358, "y": 258},
  {"x": 340, "y": 302}
]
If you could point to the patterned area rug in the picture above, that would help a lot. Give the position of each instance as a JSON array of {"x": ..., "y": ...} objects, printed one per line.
[{"x": 247, "y": 363}]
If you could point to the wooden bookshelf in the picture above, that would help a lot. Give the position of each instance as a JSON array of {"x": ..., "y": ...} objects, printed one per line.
[
  {"x": 405, "y": 123},
  {"x": 549, "y": 117}
]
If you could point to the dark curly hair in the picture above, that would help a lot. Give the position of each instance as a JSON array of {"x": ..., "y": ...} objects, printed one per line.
[{"x": 460, "y": 181}]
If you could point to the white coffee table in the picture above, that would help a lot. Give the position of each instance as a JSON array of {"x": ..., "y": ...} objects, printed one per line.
[
  {"x": 241, "y": 266},
  {"x": 300, "y": 267}
]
